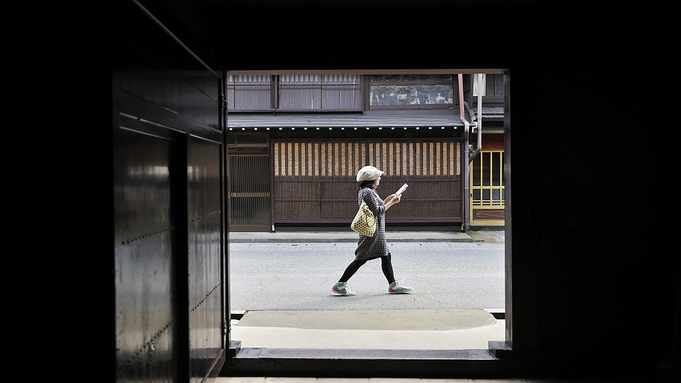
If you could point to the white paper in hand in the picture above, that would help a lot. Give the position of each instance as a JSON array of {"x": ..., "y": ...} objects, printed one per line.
[{"x": 401, "y": 189}]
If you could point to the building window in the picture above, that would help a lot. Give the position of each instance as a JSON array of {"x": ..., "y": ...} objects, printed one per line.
[
  {"x": 487, "y": 170},
  {"x": 294, "y": 93},
  {"x": 411, "y": 91},
  {"x": 319, "y": 93},
  {"x": 249, "y": 93}
]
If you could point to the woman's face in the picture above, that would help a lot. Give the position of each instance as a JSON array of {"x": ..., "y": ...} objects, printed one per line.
[{"x": 377, "y": 181}]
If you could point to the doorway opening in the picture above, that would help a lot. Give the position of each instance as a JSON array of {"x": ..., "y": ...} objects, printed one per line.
[{"x": 309, "y": 254}]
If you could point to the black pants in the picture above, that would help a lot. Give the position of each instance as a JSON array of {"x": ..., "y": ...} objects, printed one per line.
[{"x": 386, "y": 266}]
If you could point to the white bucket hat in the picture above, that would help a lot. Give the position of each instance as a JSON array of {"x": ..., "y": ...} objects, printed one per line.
[{"x": 368, "y": 173}]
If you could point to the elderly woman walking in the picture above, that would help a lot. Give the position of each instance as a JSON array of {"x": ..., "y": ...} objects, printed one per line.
[{"x": 374, "y": 247}]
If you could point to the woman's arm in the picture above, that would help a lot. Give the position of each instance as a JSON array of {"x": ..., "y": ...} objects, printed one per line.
[{"x": 391, "y": 200}]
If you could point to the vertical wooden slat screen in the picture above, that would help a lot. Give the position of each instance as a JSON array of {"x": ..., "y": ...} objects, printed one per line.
[
  {"x": 416, "y": 158},
  {"x": 294, "y": 92},
  {"x": 341, "y": 92},
  {"x": 314, "y": 182},
  {"x": 299, "y": 92},
  {"x": 249, "y": 92}
]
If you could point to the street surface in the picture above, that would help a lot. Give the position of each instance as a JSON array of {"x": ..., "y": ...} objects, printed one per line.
[{"x": 299, "y": 276}]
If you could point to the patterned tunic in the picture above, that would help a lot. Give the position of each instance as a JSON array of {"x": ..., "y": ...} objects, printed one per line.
[{"x": 376, "y": 246}]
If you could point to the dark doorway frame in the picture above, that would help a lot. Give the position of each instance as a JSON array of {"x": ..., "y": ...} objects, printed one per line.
[{"x": 395, "y": 363}]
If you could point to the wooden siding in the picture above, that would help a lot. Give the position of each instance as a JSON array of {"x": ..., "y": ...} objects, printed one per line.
[{"x": 314, "y": 182}]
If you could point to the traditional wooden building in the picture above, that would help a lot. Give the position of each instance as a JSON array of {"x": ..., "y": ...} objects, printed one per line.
[{"x": 297, "y": 139}]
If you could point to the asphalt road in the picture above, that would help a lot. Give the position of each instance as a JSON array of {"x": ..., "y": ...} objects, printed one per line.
[{"x": 299, "y": 276}]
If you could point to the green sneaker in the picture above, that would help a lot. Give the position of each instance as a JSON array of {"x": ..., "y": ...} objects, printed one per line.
[
  {"x": 342, "y": 289},
  {"x": 397, "y": 288}
]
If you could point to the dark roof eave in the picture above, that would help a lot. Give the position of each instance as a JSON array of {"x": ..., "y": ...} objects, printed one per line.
[{"x": 237, "y": 121}]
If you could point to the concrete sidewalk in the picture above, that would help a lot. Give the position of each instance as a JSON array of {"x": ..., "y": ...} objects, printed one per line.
[{"x": 417, "y": 329}]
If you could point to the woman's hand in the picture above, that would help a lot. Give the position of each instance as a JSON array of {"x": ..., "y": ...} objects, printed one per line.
[{"x": 391, "y": 200}]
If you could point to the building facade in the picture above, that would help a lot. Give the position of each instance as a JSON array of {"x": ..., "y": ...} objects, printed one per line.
[{"x": 296, "y": 141}]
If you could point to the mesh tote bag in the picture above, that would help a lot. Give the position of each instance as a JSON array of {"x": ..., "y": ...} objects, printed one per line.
[{"x": 364, "y": 222}]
